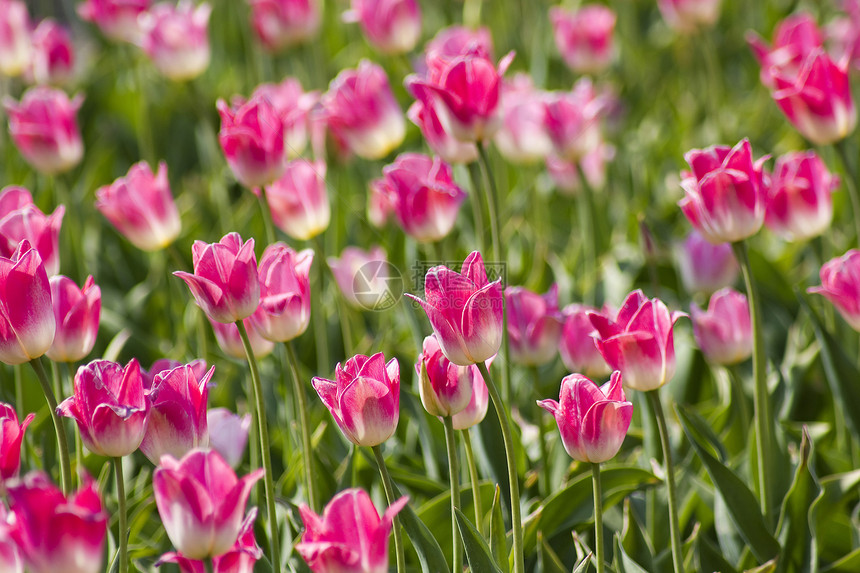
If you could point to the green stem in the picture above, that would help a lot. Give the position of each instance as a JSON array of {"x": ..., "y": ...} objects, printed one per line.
[
  {"x": 123, "y": 516},
  {"x": 544, "y": 470},
  {"x": 588, "y": 231},
  {"x": 505, "y": 422},
  {"x": 598, "y": 518},
  {"x": 454, "y": 478},
  {"x": 472, "y": 13},
  {"x": 850, "y": 183},
  {"x": 761, "y": 405},
  {"x": 674, "y": 529},
  {"x": 267, "y": 216},
  {"x": 492, "y": 203},
  {"x": 209, "y": 564},
  {"x": 302, "y": 406},
  {"x": 389, "y": 495},
  {"x": 477, "y": 206},
  {"x": 473, "y": 477},
  {"x": 19, "y": 391},
  {"x": 317, "y": 312},
  {"x": 62, "y": 444},
  {"x": 265, "y": 449},
  {"x": 79, "y": 445}
]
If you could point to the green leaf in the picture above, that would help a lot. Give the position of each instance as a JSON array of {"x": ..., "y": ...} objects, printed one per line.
[
  {"x": 710, "y": 557},
  {"x": 548, "y": 560},
  {"x": 704, "y": 432},
  {"x": 793, "y": 531},
  {"x": 634, "y": 539},
  {"x": 429, "y": 553},
  {"x": 742, "y": 505},
  {"x": 768, "y": 567},
  {"x": 623, "y": 562},
  {"x": 498, "y": 543},
  {"x": 477, "y": 550},
  {"x": 848, "y": 564},
  {"x": 583, "y": 565}
]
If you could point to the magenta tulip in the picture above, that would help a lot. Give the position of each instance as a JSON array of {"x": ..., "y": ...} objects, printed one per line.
[
  {"x": 201, "y": 502},
  {"x": 298, "y": 199},
  {"x": 445, "y": 388},
  {"x": 476, "y": 409},
  {"x": 577, "y": 346},
  {"x": 534, "y": 325},
  {"x": 357, "y": 276},
  {"x": 593, "y": 420},
  {"x": 795, "y": 37},
  {"x": 230, "y": 341},
  {"x": 10, "y": 557},
  {"x": 293, "y": 105},
  {"x": 280, "y": 24},
  {"x": 53, "y": 54},
  {"x": 349, "y": 537},
  {"x": 440, "y": 140},
  {"x": 364, "y": 398},
  {"x": 77, "y": 312},
  {"x": 799, "y": 205},
  {"x": 15, "y": 41},
  {"x": 572, "y": 120},
  {"x": 176, "y": 39},
  {"x": 11, "y": 436},
  {"x": 584, "y": 37},
  {"x": 380, "y": 204},
  {"x": 689, "y": 15},
  {"x": 20, "y": 219},
  {"x": 117, "y": 19},
  {"x": 252, "y": 138},
  {"x": 390, "y": 26},
  {"x": 840, "y": 284},
  {"x": 285, "y": 293},
  {"x": 705, "y": 267},
  {"x": 165, "y": 364},
  {"x": 724, "y": 331},
  {"x": 228, "y": 434}
]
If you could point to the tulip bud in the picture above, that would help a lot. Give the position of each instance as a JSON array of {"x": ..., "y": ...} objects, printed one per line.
[
  {"x": 20, "y": 219},
  {"x": 76, "y": 311},
  {"x": 724, "y": 331},
  {"x": 794, "y": 38},
  {"x": 252, "y": 138},
  {"x": 445, "y": 388},
  {"x": 799, "y": 205},
  {"x": 522, "y": 136},
  {"x": 573, "y": 120},
  {"x": 476, "y": 409},
  {"x": 298, "y": 199},
  {"x": 840, "y": 284},
  {"x": 293, "y": 106},
  {"x": 175, "y": 38},
  {"x": 355, "y": 274},
  {"x": 584, "y": 37},
  {"x": 705, "y": 267},
  {"x": 285, "y": 296}
]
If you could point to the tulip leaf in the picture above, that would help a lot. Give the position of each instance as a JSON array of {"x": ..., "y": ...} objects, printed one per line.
[
  {"x": 768, "y": 567},
  {"x": 582, "y": 567},
  {"x": 548, "y": 560},
  {"x": 477, "y": 550},
  {"x": 703, "y": 430},
  {"x": 623, "y": 562},
  {"x": 740, "y": 501},
  {"x": 710, "y": 557},
  {"x": 848, "y": 564},
  {"x": 793, "y": 531},
  {"x": 429, "y": 553},
  {"x": 498, "y": 543}
]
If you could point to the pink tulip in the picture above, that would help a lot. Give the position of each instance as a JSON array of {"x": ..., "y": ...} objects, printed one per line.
[
  {"x": 445, "y": 388},
  {"x": 27, "y": 323},
  {"x": 225, "y": 283},
  {"x": 44, "y": 127},
  {"x": 117, "y": 19},
  {"x": 285, "y": 293},
  {"x": 228, "y": 434},
  {"x": 593, "y": 420},
  {"x": 724, "y": 331},
  {"x": 639, "y": 341},
  {"x": 725, "y": 192},
  {"x": 20, "y": 219},
  {"x": 165, "y": 364},
  {"x": 141, "y": 207},
  {"x": 465, "y": 310},
  {"x": 522, "y": 137},
  {"x": 794, "y": 38},
  {"x": 476, "y": 409},
  {"x": 175, "y": 38},
  {"x": 293, "y": 106},
  {"x": 843, "y": 34},
  {"x": 15, "y": 41},
  {"x": 565, "y": 174},
  {"x": 840, "y": 284},
  {"x": 379, "y": 202},
  {"x": 584, "y": 37},
  {"x": 298, "y": 199},
  {"x": 11, "y": 436},
  {"x": 390, "y": 26},
  {"x": 349, "y": 537},
  {"x": 705, "y": 267},
  {"x": 357, "y": 275},
  {"x": 280, "y": 24},
  {"x": 364, "y": 398},
  {"x": 230, "y": 341},
  {"x": 53, "y": 54},
  {"x": 438, "y": 139},
  {"x": 109, "y": 407},
  {"x": 177, "y": 413},
  {"x": 252, "y": 138},
  {"x": 577, "y": 346},
  {"x": 10, "y": 557},
  {"x": 76, "y": 311},
  {"x": 455, "y": 41},
  {"x": 425, "y": 198},
  {"x": 360, "y": 108},
  {"x": 534, "y": 325},
  {"x": 57, "y": 533},
  {"x": 573, "y": 120},
  {"x": 239, "y": 559},
  {"x": 689, "y": 15},
  {"x": 201, "y": 502},
  {"x": 799, "y": 205}
]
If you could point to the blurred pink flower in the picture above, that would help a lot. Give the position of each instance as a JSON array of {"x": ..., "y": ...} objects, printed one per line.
[
  {"x": 175, "y": 37},
  {"x": 724, "y": 331},
  {"x": 285, "y": 293},
  {"x": 293, "y": 105},
  {"x": 534, "y": 325},
  {"x": 228, "y": 434},
  {"x": 689, "y": 15},
  {"x": 577, "y": 346},
  {"x": 117, "y": 19},
  {"x": 298, "y": 199},
  {"x": 565, "y": 174},
  {"x": 380, "y": 204},
  {"x": 280, "y": 24},
  {"x": 230, "y": 341},
  {"x": 16, "y": 48},
  {"x": 573, "y": 120},
  {"x": 840, "y": 284},
  {"x": 438, "y": 139},
  {"x": 390, "y": 26},
  {"x": 799, "y": 204},
  {"x": 795, "y": 37},
  {"x": 53, "y": 54},
  {"x": 445, "y": 388},
  {"x": 77, "y": 312},
  {"x": 252, "y": 138},
  {"x": 11, "y": 437},
  {"x": 522, "y": 136},
  {"x": 476, "y": 409},
  {"x": 356, "y": 273},
  {"x": 20, "y": 219},
  {"x": 705, "y": 267},
  {"x": 584, "y": 36}
]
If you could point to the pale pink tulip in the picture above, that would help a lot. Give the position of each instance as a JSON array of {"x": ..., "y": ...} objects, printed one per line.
[
  {"x": 577, "y": 346},
  {"x": 53, "y": 54},
  {"x": 534, "y": 325},
  {"x": 77, "y": 312},
  {"x": 724, "y": 331},
  {"x": 280, "y": 24},
  {"x": 16, "y": 48},
  {"x": 117, "y": 19},
  {"x": 228, "y": 434},
  {"x": 252, "y": 138},
  {"x": 584, "y": 36},
  {"x": 176, "y": 39},
  {"x": 230, "y": 341},
  {"x": 20, "y": 219},
  {"x": 390, "y": 26},
  {"x": 445, "y": 388},
  {"x": 294, "y": 106},
  {"x": 705, "y": 267},
  {"x": 840, "y": 284},
  {"x": 356, "y": 273},
  {"x": 799, "y": 204},
  {"x": 298, "y": 199},
  {"x": 285, "y": 293}
]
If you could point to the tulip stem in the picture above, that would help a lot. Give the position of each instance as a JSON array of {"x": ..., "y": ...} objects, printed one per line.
[
  {"x": 598, "y": 518},
  {"x": 761, "y": 406},
  {"x": 302, "y": 406},
  {"x": 492, "y": 203},
  {"x": 19, "y": 391},
  {"x": 123, "y": 516},
  {"x": 265, "y": 449},
  {"x": 477, "y": 207},
  {"x": 389, "y": 494},
  {"x": 505, "y": 422},
  {"x": 209, "y": 564},
  {"x": 588, "y": 229},
  {"x": 543, "y": 471},
  {"x": 267, "y": 216},
  {"x": 454, "y": 479},
  {"x": 674, "y": 529},
  {"x": 473, "y": 476},
  {"x": 62, "y": 444},
  {"x": 850, "y": 183},
  {"x": 317, "y": 309}
]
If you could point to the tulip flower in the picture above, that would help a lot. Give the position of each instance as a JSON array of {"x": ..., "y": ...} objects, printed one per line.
[
  {"x": 799, "y": 205},
  {"x": 109, "y": 407},
  {"x": 424, "y": 196},
  {"x": 584, "y": 37},
  {"x": 843, "y": 34},
  {"x": 725, "y": 192},
  {"x": 230, "y": 341},
  {"x": 285, "y": 298},
  {"x": 53, "y": 54},
  {"x": 293, "y": 106},
  {"x": 840, "y": 284},
  {"x": 349, "y": 537},
  {"x": 44, "y": 128},
  {"x": 141, "y": 207},
  {"x": 364, "y": 398},
  {"x": 15, "y": 41},
  {"x": 11, "y": 436},
  {"x": 176, "y": 40},
  {"x": 357, "y": 276},
  {"x": 20, "y": 219},
  {"x": 465, "y": 310},
  {"x": 445, "y": 388},
  {"x": 201, "y": 502},
  {"x": 165, "y": 364},
  {"x": 228, "y": 434},
  {"x": 565, "y": 174},
  {"x": 10, "y": 557},
  {"x": 359, "y": 107},
  {"x": 76, "y": 311},
  {"x": 639, "y": 341},
  {"x": 689, "y": 15},
  {"x": 438, "y": 139},
  {"x": 280, "y": 24},
  {"x": 455, "y": 41},
  {"x": 705, "y": 267},
  {"x": 117, "y": 19},
  {"x": 225, "y": 282},
  {"x": 534, "y": 325},
  {"x": 252, "y": 138},
  {"x": 27, "y": 323},
  {"x": 476, "y": 410},
  {"x": 724, "y": 331},
  {"x": 572, "y": 120},
  {"x": 177, "y": 413},
  {"x": 54, "y": 532},
  {"x": 380, "y": 204},
  {"x": 522, "y": 137},
  {"x": 298, "y": 199},
  {"x": 390, "y": 26},
  {"x": 795, "y": 37},
  {"x": 577, "y": 345}
]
